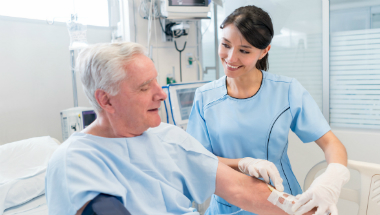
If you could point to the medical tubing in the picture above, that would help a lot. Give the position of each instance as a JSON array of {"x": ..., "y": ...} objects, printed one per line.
[
  {"x": 170, "y": 104},
  {"x": 167, "y": 114},
  {"x": 180, "y": 65}
]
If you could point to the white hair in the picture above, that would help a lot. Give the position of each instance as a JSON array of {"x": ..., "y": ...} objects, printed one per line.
[{"x": 102, "y": 66}]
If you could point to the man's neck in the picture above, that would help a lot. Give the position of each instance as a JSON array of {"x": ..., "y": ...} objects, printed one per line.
[{"x": 103, "y": 127}]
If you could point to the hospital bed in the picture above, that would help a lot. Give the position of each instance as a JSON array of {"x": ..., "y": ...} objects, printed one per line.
[
  {"x": 22, "y": 175},
  {"x": 368, "y": 196}
]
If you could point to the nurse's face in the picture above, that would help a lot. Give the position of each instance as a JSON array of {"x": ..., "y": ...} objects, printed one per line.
[
  {"x": 140, "y": 96},
  {"x": 237, "y": 55}
]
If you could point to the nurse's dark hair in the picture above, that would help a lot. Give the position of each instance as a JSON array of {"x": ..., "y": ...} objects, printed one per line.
[{"x": 256, "y": 27}]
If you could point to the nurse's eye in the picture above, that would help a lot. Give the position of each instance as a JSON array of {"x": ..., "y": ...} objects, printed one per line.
[
  {"x": 225, "y": 45},
  {"x": 243, "y": 51}
]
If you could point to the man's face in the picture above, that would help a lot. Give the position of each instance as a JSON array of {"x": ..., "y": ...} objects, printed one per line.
[{"x": 136, "y": 105}]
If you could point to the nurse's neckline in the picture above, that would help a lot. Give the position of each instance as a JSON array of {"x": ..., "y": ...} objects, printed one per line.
[{"x": 261, "y": 84}]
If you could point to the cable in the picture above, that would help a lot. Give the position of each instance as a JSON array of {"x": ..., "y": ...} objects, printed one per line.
[
  {"x": 159, "y": 20},
  {"x": 134, "y": 20},
  {"x": 180, "y": 64}
]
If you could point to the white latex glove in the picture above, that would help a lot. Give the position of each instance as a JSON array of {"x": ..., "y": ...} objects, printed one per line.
[
  {"x": 324, "y": 191},
  {"x": 261, "y": 168}
]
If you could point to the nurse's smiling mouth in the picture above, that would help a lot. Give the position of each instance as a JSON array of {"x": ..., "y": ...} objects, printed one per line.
[{"x": 232, "y": 68}]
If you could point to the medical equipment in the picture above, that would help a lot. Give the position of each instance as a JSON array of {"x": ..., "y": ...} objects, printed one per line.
[
  {"x": 368, "y": 197},
  {"x": 179, "y": 102},
  {"x": 78, "y": 40},
  {"x": 76, "y": 119},
  {"x": 281, "y": 200},
  {"x": 182, "y": 9}
]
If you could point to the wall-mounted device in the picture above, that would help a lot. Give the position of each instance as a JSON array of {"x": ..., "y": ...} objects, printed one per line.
[
  {"x": 76, "y": 119},
  {"x": 179, "y": 102},
  {"x": 185, "y": 9}
]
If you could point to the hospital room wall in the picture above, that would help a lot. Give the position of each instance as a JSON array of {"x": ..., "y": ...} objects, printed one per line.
[{"x": 35, "y": 77}]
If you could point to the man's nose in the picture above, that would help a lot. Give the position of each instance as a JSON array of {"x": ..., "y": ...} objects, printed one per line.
[{"x": 160, "y": 95}]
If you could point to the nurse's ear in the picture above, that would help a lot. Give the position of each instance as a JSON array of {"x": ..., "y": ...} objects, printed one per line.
[
  {"x": 103, "y": 99},
  {"x": 264, "y": 52}
]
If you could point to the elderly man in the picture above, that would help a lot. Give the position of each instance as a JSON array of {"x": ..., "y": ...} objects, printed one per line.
[{"x": 128, "y": 154}]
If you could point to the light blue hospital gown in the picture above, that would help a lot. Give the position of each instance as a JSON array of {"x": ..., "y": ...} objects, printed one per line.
[
  {"x": 159, "y": 172},
  {"x": 255, "y": 127}
]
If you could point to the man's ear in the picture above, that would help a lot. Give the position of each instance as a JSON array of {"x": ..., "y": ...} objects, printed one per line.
[
  {"x": 103, "y": 99},
  {"x": 265, "y": 52}
]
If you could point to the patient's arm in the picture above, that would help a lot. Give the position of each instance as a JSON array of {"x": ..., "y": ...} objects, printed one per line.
[{"x": 246, "y": 192}]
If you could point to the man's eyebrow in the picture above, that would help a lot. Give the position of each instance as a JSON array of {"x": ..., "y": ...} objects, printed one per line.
[
  {"x": 244, "y": 46},
  {"x": 146, "y": 82}
]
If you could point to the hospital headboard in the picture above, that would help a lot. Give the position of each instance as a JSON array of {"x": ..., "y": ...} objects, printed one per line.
[{"x": 368, "y": 197}]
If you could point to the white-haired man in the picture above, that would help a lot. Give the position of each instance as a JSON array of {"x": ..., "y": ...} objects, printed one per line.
[{"x": 129, "y": 155}]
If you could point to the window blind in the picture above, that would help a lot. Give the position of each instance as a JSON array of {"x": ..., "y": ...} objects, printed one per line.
[
  {"x": 355, "y": 79},
  {"x": 300, "y": 58}
]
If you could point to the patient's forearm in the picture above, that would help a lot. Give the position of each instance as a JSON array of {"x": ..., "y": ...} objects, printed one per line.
[
  {"x": 233, "y": 163},
  {"x": 246, "y": 192}
]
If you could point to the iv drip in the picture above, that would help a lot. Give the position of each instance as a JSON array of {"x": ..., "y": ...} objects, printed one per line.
[
  {"x": 78, "y": 40},
  {"x": 77, "y": 33}
]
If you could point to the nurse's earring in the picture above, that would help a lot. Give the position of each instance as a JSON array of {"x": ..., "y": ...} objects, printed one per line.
[{"x": 281, "y": 200}]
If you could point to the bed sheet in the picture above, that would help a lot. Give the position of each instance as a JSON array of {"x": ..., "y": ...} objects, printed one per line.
[{"x": 36, "y": 206}]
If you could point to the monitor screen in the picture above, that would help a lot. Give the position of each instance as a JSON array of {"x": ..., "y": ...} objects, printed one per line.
[
  {"x": 88, "y": 118},
  {"x": 185, "y": 99},
  {"x": 188, "y": 2}
]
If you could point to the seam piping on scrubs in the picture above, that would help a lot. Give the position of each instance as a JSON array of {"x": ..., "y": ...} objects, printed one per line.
[
  {"x": 272, "y": 128},
  {"x": 291, "y": 114},
  {"x": 287, "y": 180},
  {"x": 222, "y": 203},
  {"x": 213, "y": 88},
  {"x": 215, "y": 102}
]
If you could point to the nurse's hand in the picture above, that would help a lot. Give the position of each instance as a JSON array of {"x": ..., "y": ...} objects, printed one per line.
[
  {"x": 261, "y": 168},
  {"x": 324, "y": 191}
]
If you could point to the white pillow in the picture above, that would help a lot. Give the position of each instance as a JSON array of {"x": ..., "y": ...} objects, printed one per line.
[{"x": 22, "y": 170}]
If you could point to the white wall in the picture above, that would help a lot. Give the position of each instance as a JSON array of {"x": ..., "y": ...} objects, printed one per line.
[{"x": 35, "y": 77}]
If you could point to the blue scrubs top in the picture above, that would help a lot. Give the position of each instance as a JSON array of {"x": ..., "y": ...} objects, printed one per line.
[
  {"x": 158, "y": 172},
  {"x": 255, "y": 127}
]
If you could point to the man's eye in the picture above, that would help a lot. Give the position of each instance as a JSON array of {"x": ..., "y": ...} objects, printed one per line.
[{"x": 144, "y": 89}]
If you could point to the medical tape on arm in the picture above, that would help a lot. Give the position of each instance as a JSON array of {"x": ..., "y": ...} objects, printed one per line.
[{"x": 281, "y": 200}]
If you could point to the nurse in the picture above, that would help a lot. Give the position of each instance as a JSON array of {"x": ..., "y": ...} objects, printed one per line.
[{"x": 248, "y": 112}]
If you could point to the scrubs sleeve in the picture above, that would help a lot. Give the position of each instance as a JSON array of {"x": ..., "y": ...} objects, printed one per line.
[
  {"x": 199, "y": 168},
  {"x": 196, "y": 126},
  {"x": 88, "y": 175},
  {"x": 308, "y": 122}
]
